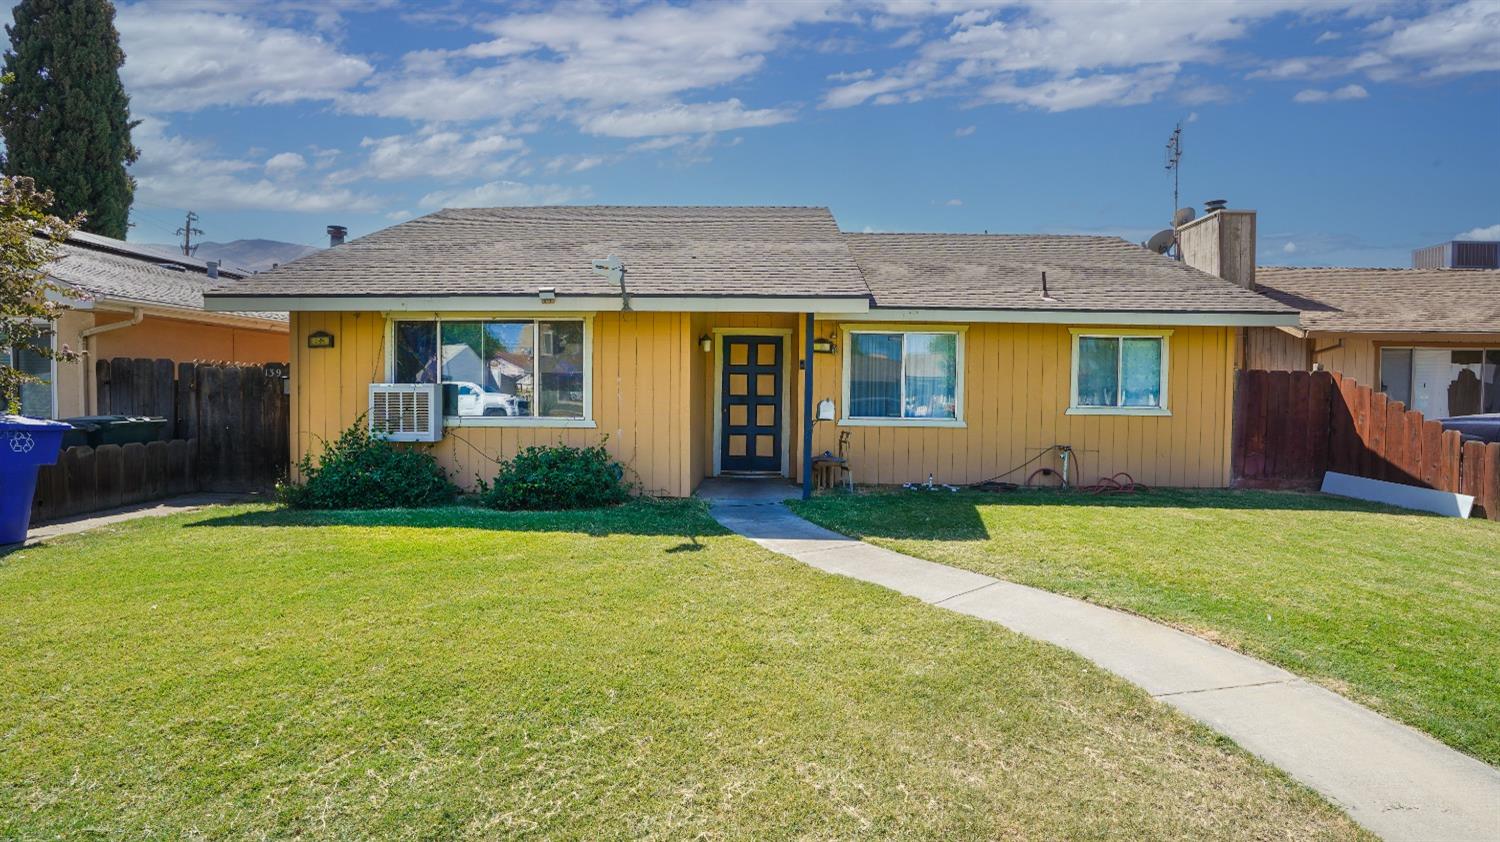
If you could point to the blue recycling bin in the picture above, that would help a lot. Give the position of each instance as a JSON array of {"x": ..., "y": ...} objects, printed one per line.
[{"x": 26, "y": 444}]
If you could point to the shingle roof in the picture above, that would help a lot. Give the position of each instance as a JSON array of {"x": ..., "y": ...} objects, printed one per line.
[
  {"x": 1388, "y": 300},
  {"x": 700, "y": 251},
  {"x": 1004, "y": 272},
  {"x": 108, "y": 269},
  {"x": 153, "y": 254}
]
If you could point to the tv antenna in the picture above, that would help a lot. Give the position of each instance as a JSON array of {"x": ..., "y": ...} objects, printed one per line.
[
  {"x": 186, "y": 232},
  {"x": 1174, "y": 160}
]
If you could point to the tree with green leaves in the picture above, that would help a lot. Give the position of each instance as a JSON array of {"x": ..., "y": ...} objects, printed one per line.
[
  {"x": 29, "y": 300},
  {"x": 64, "y": 115}
]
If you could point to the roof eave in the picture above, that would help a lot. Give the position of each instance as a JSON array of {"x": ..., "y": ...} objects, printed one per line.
[
  {"x": 528, "y": 303},
  {"x": 1161, "y": 318}
]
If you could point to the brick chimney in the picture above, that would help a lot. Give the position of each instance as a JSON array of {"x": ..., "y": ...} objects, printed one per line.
[{"x": 1221, "y": 242}]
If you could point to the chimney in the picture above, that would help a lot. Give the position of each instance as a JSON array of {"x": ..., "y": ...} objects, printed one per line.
[
  {"x": 213, "y": 268},
  {"x": 1221, "y": 242},
  {"x": 336, "y": 235}
]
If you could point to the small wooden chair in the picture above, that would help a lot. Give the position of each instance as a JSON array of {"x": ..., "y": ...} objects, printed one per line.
[{"x": 830, "y": 470}]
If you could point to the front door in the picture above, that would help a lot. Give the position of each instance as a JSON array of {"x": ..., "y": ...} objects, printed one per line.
[{"x": 750, "y": 390}]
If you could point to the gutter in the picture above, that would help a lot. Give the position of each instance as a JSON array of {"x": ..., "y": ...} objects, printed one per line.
[{"x": 85, "y": 382}]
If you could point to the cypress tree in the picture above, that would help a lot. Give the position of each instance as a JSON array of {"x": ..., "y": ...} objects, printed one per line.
[{"x": 63, "y": 112}]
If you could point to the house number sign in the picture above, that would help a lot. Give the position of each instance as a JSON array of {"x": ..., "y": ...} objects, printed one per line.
[{"x": 320, "y": 339}]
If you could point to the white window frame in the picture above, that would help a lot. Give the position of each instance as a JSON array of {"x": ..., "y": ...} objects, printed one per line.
[
  {"x": 1120, "y": 333},
  {"x": 51, "y": 363},
  {"x": 586, "y": 422},
  {"x": 959, "y": 332}
]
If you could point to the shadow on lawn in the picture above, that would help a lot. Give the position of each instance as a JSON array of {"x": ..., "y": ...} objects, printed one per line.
[
  {"x": 957, "y": 516},
  {"x": 667, "y": 519}
]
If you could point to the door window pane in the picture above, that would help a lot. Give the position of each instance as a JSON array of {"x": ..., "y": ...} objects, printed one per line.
[
  {"x": 1395, "y": 374},
  {"x": 1492, "y": 380},
  {"x": 416, "y": 352},
  {"x": 1140, "y": 368},
  {"x": 875, "y": 375},
  {"x": 560, "y": 364},
  {"x": 1098, "y": 371},
  {"x": 931, "y": 375}
]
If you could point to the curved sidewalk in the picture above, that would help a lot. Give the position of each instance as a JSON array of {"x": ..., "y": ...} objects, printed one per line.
[{"x": 1393, "y": 780}]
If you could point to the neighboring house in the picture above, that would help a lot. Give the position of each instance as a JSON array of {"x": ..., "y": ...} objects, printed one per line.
[
  {"x": 136, "y": 302},
  {"x": 1429, "y": 338},
  {"x": 942, "y": 354}
]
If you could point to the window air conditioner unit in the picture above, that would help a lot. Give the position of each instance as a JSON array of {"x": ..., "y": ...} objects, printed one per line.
[{"x": 406, "y": 411}]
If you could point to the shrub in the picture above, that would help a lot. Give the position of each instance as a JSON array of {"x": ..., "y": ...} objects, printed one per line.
[
  {"x": 557, "y": 477},
  {"x": 360, "y": 471}
]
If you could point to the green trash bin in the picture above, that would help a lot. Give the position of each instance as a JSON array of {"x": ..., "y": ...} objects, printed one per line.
[{"x": 114, "y": 429}]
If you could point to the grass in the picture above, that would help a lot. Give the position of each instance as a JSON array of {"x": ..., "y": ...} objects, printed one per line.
[
  {"x": 1397, "y": 610},
  {"x": 634, "y": 673}
]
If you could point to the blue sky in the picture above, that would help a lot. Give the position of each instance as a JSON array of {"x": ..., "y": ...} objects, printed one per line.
[{"x": 1358, "y": 130}]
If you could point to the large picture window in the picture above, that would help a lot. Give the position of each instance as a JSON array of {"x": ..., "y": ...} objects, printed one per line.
[
  {"x": 1119, "y": 373},
  {"x": 1442, "y": 382},
  {"x": 497, "y": 368},
  {"x": 36, "y": 398},
  {"x": 904, "y": 376}
]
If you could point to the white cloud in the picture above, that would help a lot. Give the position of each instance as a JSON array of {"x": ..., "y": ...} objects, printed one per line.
[
  {"x": 285, "y": 165},
  {"x": 1455, "y": 40},
  {"x": 965, "y": 131},
  {"x": 580, "y": 61},
  {"x": 501, "y": 193},
  {"x": 176, "y": 172},
  {"x": 439, "y": 154},
  {"x": 1290, "y": 247},
  {"x": 1490, "y": 233},
  {"x": 680, "y": 118},
  {"x": 954, "y": 203},
  {"x": 185, "y": 59},
  {"x": 1061, "y": 55},
  {"x": 1327, "y": 36},
  {"x": 1347, "y": 92}
]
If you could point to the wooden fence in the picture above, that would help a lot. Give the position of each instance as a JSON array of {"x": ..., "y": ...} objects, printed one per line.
[
  {"x": 226, "y": 430},
  {"x": 1291, "y": 427}
]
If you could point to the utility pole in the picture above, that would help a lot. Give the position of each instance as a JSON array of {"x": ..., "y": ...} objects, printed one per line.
[
  {"x": 1174, "y": 166},
  {"x": 186, "y": 232}
]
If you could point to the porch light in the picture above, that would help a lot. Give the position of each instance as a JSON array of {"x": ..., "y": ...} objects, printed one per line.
[
  {"x": 822, "y": 346},
  {"x": 706, "y": 342}
]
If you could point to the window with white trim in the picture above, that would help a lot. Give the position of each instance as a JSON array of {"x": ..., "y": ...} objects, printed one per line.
[
  {"x": 36, "y": 397},
  {"x": 1120, "y": 372},
  {"x": 499, "y": 368},
  {"x": 903, "y": 375}
]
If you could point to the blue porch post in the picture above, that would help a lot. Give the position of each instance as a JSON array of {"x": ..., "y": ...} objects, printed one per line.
[{"x": 807, "y": 407}]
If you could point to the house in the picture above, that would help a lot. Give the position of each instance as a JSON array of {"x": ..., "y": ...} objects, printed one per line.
[
  {"x": 955, "y": 356},
  {"x": 136, "y": 302},
  {"x": 1429, "y": 338}
]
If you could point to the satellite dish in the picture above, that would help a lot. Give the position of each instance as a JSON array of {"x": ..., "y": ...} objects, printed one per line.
[
  {"x": 1162, "y": 240},
  {"x": 1183, "y": 216}
]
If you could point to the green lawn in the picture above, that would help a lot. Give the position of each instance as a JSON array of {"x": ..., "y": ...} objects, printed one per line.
[
  {"x": 1397, "y": 610},
  {"x": 629, "y": 673}
]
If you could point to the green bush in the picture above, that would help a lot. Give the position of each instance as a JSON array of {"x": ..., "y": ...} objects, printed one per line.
[
  {"x": 557, "y": 477},
  {"x": 360, "y": 471}
]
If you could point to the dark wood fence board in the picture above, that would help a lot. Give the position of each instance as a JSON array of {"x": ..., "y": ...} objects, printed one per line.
[
  {"x": 226, "y": 430},
  {"x": 1292, "y": 427}
]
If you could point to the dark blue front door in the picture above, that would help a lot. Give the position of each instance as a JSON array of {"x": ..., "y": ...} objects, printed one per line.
[{"x": 750, "y": 437}]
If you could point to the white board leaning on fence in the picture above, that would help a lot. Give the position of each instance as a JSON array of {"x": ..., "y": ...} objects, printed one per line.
[{"x": 1395, "y": 494}]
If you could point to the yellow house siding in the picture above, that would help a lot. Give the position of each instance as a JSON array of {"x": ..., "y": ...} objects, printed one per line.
[
  {"x": 653, "y": 396},
  {"x": 640, "y": 375},
  {"x": 1018, "y": 381}
]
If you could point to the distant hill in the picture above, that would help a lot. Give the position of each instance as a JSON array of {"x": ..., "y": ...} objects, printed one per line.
[{"x": 256, "y": 255}]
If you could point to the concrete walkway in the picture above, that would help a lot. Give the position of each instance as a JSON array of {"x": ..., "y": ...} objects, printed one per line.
[
  {"x": 1393, "y": 780},
  {"x": 154, "y": 508}
]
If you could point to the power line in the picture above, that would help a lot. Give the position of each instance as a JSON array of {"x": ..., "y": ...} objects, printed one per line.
[{"x": 186, "y": 232}]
